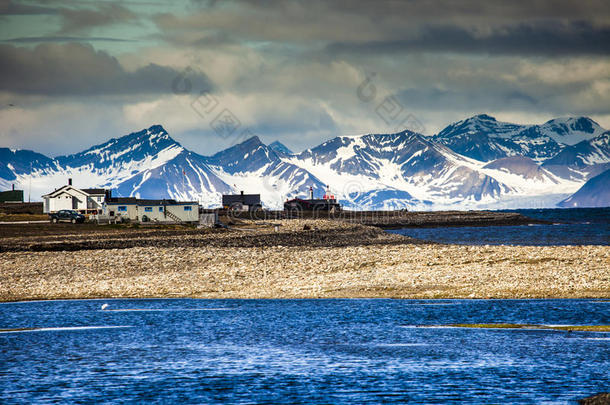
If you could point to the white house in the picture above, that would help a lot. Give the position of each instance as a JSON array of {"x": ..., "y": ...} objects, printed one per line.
[
  {"x": 169, "y": 211},
  {"x": 68, "y": 197}
]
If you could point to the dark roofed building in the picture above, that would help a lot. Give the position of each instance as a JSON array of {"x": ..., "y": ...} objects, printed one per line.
[
  {"x": 13, "y": 196},
  {"x": 95, "y": 191},
  {"x": 241, "y": 201},
  {"x": 121, "y": 200}
]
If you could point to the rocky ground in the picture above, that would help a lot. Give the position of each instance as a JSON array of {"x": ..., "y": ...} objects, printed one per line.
[{"x": 298, "y": 259}]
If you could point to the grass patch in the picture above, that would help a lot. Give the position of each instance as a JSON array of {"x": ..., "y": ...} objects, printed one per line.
[{"x": 579, "y": 328}]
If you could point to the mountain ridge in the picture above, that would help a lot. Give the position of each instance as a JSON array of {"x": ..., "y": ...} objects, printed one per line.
[
  {"x": 371, "y": 171},
  {"x": 484, "y": 138}
]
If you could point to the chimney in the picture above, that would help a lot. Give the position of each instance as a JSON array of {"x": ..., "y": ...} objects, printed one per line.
[
  {"x": 311, "y": 193},
  {"x": 70, "y": 181}
]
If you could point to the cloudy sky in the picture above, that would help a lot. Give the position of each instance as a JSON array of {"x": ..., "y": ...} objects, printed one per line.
[{"x": 74, "y": 73}]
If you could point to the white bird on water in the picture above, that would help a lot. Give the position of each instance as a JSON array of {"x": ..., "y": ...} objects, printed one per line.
[{"x": 104, "y": 306}]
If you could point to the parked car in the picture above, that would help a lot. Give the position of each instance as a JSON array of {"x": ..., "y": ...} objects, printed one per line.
[{"x": 67, "y": 216}]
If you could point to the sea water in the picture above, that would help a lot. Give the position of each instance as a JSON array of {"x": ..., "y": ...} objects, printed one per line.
[
  {"x": 300, "y": 351},
  {"x": 581, "y": 226}
]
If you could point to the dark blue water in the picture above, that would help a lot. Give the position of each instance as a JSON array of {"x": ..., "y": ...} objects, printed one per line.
[
  {"x": 578, "y": 226},
  {"x": 301, "y": 351}
]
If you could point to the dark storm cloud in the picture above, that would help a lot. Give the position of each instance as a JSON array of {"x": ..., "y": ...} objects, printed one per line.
[
  {"x": 525, "y": 39},
  {"x": 76, "y": 16},
  {"x": 8, "y": 7},
  {"x": 77, "y": 69},
  {"x": 388, "y": 26},
  {"x": 416, "y": 9}
]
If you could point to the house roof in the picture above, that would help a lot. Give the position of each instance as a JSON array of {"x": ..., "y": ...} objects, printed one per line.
[
  {"x": 65, "y": 188},
  {"x": 165, "y": 202},
  {"x": 94, "y": 190},
  {"x": 86, "y": 191},
  {"x": 122, "y": 200},
  {"x": 247, "y": 199},
  {"x": 135, "y": 201}
]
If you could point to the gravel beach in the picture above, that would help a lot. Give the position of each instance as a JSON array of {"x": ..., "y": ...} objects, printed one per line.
[{"x": 296, "y": 259}]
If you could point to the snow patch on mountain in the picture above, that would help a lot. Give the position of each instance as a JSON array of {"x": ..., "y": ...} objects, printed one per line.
[{"x": 570, "y": 131}]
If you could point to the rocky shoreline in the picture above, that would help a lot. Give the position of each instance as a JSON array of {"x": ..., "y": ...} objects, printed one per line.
[
  {"x": 312, "y": 233},
  {"x": 290, "y": 259},
  {"x": 407, "y": 219}
]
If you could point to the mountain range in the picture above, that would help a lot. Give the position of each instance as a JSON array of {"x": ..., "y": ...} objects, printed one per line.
[{"x": 476, "y": 163}]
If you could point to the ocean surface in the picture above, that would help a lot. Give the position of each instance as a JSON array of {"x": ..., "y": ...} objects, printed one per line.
[
  {"x": 574, "y": 226},
  {"x": 300, "y": 351}
]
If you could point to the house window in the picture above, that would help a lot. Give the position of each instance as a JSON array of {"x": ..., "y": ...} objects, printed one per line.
[
  {"x": 99, "y": 199},
  {"x": 147, "y": 209},
  {"x": 160, "y": 209},
  {"x": 121, "y": 208},
  {"x": 188, "y": 208}
]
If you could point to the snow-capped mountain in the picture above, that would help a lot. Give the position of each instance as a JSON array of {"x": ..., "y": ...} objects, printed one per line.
[
  {"x": 254, "y": 166},
  {"x": 397, "y": 170},
  {"x": 135, "y": 164},
  {"x": 484, "y": 138},
  {"x": 594, "y": 193},
  {"x": 582, "y": 161},
  {"x": 14, "y": 163},
  {"x": 570, "y": 131},
  {"x": 586, "y": 153},
  {"x": 151, "y": 164},
  {"x": 374, "y": 171}
]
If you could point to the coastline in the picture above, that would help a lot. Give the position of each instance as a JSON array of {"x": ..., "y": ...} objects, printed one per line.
[{"x": 304, "y": 259}]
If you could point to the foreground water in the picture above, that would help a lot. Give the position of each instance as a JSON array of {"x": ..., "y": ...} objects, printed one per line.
[
  {"x": 300, "y": 351},
  {"x": 577, "y": 226}
]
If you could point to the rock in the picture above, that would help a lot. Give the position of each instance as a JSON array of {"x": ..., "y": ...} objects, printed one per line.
[{"x": 599, "y": 399}]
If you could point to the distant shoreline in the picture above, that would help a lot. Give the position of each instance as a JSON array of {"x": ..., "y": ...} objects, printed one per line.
[
  {"x": 42, "y": 236},
  {"x": 298, "y": 259}
]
